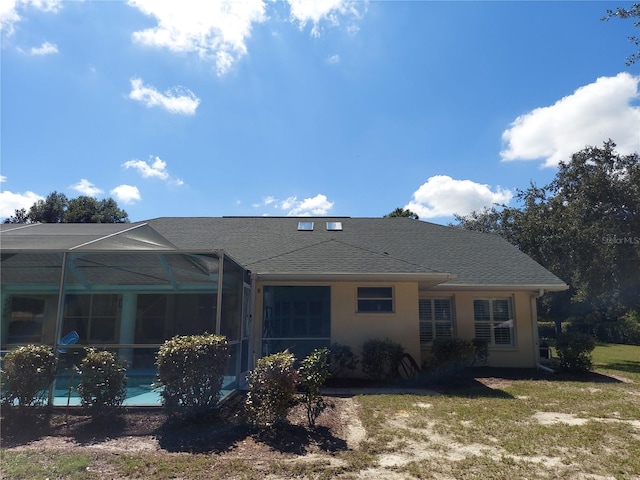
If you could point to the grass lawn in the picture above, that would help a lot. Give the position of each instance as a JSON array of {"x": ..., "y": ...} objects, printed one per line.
[{"x": 498, "y": 427}]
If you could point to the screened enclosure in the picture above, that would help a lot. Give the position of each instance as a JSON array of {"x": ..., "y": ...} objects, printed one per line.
[{"x": 121, "y": 288}]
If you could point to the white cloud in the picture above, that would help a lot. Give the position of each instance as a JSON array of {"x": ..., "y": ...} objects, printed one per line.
[
  {"x": 10, "y": 202},
  {"x": 175, "y": 100},
  {"x": 85, "y": 187},
  {"x": 155, "y": 168},
  {"x": 333, "y": 59},
  {"x": 214, "y": 30},
  {"x": 318, "y": 205},
  {"x": 315, "y": 11},
  {"x": 442, "y": 196},
  {"x": 3, "y": 179},
  {"x": 591, "y": 115},
  {"x": 45, "y": 49},
  {"x": 126, "y": 194},
  {"x": 11, "y": 10}
]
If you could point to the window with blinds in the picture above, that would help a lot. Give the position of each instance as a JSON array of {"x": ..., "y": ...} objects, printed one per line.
[
  {"x": 493, "y": 319},
  {"x": 436, "y": 319}
]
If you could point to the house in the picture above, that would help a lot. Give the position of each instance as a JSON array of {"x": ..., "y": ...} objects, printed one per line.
[{"x": 269, "y": 283}]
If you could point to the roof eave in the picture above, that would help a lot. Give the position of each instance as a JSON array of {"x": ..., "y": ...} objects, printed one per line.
[
  {"x": 512, "y": 287},
  {"x": 429, "y": 278}
]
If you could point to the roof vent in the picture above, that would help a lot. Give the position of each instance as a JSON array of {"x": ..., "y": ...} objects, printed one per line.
[
  {"x": 305, "y": 226},
  {"x": 334, "y": 226}
]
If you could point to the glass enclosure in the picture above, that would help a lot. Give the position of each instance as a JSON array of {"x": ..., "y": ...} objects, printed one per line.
[
  {"x": 126, "y": 302},
  {"x": 296, "y": 318}
]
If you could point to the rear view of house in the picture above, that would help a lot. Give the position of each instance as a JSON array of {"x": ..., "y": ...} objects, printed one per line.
[{"x": 267, "y": 284}]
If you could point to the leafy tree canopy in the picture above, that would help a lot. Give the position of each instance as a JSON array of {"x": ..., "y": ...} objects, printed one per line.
[
  {"x": 584, "y": 227},
  {"x": 402, "y": 212},
  {"x": 625, "y": 13},
  {"x": 57, "y": 208}
]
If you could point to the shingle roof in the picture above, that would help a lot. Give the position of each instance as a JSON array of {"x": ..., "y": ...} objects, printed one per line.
[{"x": 365, "y": 245}]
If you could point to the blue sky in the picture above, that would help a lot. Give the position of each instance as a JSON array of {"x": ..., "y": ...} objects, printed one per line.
[{"x": 298, "y": 107}]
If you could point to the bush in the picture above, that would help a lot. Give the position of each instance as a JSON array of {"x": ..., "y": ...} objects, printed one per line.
[
  {"x": 574, "y": 351},
  {"x": 625, "y": 330},
  {"x": 28, "y": 372},
  {"x": 191, "y": 369},
  {"x": 546, "y": 330},
  {"x": 341, "y": 358},
  {"x": 103, "y": 380},
  {"x": 272, "y": 387},
  {"x": 450, "y": 356},
  {"x": 313, "y": 372},
  {"x": 381, "y": 359}
]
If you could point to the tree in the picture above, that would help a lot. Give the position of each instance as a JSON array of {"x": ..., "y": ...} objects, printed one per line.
[
  {"x": 401, "y": 212},
  {"x": 623, "y": 13},
  {"x": 86, "y": 209},
  {"x": 584, "y": 227},
  {"x": 20, "y": 216},
  {"x": 50, "y": 210},
  {"x": 57, "y": 208}
]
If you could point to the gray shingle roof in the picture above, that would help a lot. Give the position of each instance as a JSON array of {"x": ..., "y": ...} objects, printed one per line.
[{"x": 365, "y": 245}]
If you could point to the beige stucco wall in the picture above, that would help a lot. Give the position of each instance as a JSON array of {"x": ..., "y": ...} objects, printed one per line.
[{"x": 348, "y": 327}]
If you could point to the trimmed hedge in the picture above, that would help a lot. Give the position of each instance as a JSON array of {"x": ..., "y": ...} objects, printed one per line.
[
  {"x": 574, "y": 351},
  {"x": 27, "y": 374},
  {"x": 272, "y": 387},
  {"x": 103, "y": 380},
  {"x": 191, "y": 369},
  {"x": 381, "y": 359}
]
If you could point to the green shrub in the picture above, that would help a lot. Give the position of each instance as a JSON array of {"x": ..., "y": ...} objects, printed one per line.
[
  {"x": 313, "y": 372},
  {"x": 191, "y": 370},
  {"x": 342, "y": 358},
  {"x": 381, "y": 359},
  {"x": 103, "y": 380},
  {"x": 574, "y": 351},
  {"x": 272, "y": 387},
  {"x": 27, "y": 374},
  {"x": 547, "y": 330},
  {"x": 480, "y": 351},
  {"x": 450, "y": 356}
]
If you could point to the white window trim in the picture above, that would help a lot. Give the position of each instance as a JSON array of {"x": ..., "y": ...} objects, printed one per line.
[
  {"x": 492, "y": 323},
  {"x": 432, "y": 322}
]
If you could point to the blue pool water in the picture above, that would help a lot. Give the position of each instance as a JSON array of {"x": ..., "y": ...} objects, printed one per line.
[{"x": 142, "y": 391}]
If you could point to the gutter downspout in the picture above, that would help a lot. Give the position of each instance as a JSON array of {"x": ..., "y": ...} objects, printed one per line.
[{"x": 534, "y": 328}]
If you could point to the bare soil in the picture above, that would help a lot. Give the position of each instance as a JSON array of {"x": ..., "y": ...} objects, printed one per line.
[{"x": 151, "y": 430}]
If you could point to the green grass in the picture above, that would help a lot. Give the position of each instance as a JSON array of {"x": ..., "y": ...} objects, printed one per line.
[{"x": 489, "y": 430}]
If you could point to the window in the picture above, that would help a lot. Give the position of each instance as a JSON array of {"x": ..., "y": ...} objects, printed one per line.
[
  {"x": 436, "y": 319},
  {"x": 26, "y": 320},
  {"x": 493, "y": 318},
  {"x": 375, "y": 299},
  {"x": 305, "y": 226},
  {"x": 334, "y": 226},
  {"x": 93, "y": 317}
]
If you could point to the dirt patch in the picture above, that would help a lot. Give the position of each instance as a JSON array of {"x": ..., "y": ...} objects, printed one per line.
[{"x": 151, "y": 430}]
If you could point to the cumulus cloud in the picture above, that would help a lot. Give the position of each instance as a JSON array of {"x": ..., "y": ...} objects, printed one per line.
[
  {"x": 10, "y": 202},
  {"x": 45, "y": 49},
  {"x": 318, "y": 205},
  {"x": 592, "y": 114},
  {"x": 126, "y": 194},
  {"x": 85, "y": 187},
  {"x": 154, "y": 168},
  {"x": 11, "y": 10},
  {"x": 330, "y": 11},
  {"x": 216, "y": 31},
  {"x": 442, "y": 196},
  {"x": 176, "y": 100}
]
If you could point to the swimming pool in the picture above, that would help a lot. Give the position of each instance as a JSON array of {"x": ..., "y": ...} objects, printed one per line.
[{"x": 142, "y": 391}]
